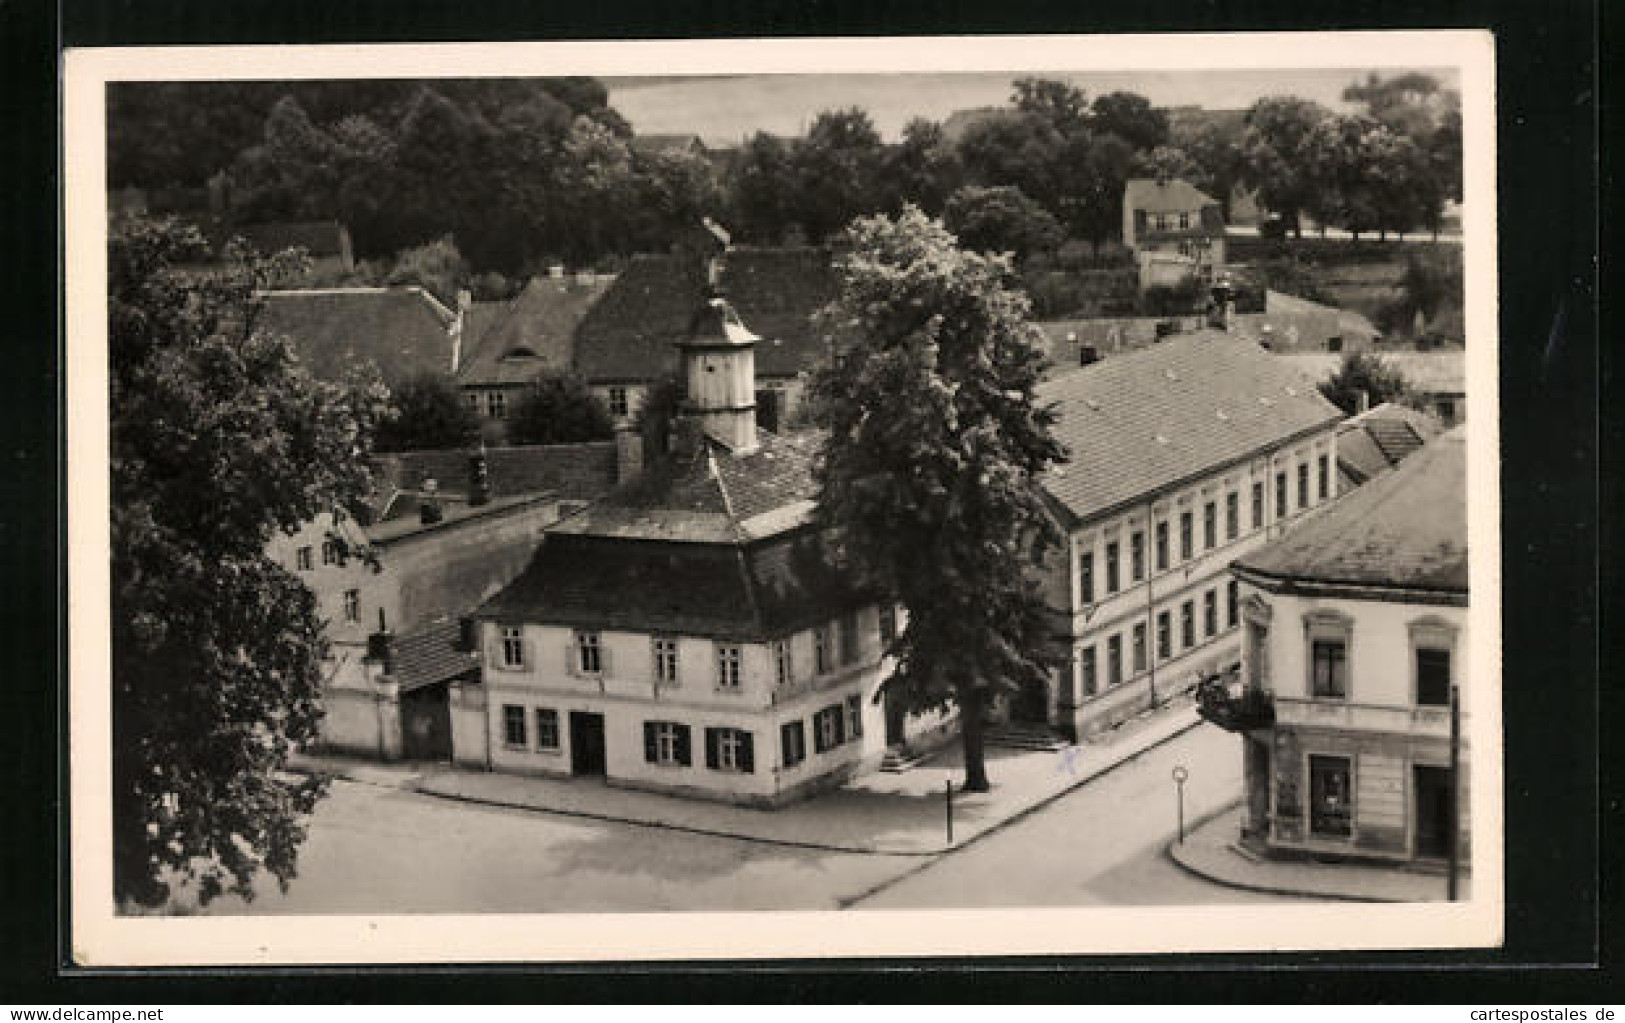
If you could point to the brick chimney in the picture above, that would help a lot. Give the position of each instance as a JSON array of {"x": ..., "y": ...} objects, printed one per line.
[{"x": 628, "y": 452}]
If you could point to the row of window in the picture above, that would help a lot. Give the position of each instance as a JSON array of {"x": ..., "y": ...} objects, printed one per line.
[
  {"x": 332, "y": 554},
  {"x": 1165, "y": 640},
  {"x": 1187, "y": 529},
  {"x": 1167, "y": 221},
  {"x": 1329, "y": 673},
  {"x": 494, "y": 404}
]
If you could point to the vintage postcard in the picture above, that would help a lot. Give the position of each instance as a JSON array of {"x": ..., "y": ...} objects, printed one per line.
[{"x": 763, "y": 499}]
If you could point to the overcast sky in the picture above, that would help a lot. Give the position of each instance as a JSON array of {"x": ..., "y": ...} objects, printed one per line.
[{"x": 723, "y": 110}]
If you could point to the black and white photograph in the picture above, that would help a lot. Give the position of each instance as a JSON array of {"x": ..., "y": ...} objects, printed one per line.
[{"x": 695, "y": 499}]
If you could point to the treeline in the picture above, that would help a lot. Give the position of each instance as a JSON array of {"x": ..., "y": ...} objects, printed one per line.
[{"x": 520, "y": 173}]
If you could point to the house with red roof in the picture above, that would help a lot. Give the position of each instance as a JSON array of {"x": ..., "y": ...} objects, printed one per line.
[
  {"x": 1175, "y": 229},
  {"x": 1355, "y": 661}
]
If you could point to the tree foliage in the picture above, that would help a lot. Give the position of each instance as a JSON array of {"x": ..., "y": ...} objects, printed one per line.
[
  {"x": 1363, "y": 372},
  {"x": 928, "y": 474},
  {"x": 218, "y": 442},
  {"x": 559, "y": 410},
  {"x": 426, "y": 413},
  {"x": 1000, "y": 219}
]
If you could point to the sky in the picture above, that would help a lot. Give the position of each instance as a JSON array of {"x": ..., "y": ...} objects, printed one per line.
[{"x": 723, "y": 110}]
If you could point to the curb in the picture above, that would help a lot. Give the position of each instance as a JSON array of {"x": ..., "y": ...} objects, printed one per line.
[{"x": 1252, "y": 886}]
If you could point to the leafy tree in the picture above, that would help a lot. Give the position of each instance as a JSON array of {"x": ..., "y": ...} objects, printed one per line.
[
  {"x": 1170, "y": 162},
  {"x": 1362, "y": 372},
  {"x": 1093, "y": 204},
  {"x": 1430, "y": 290},
  {"x": 923, "y": 168},
  {"x": 763, "y": 186},
  {"x": 1214, "y": 148},
  {"x": 929, "y": 471},
  {"x": 1061, "y": 105},
  {"x": 218, "y": 441},
  {"x": 837, "y": 172},
  {"x": 437, "y": 267},
  {"x": 427, "y": 413},
  {"x": 1188, "y": 296},
  {"x": 1132, "y": 118},
  {"x": 1276, "y": 154},
  {"x": 1000, "y": 219},
  {"x": 1018, "y": 149},
  {"x": 559, "y": 410}
]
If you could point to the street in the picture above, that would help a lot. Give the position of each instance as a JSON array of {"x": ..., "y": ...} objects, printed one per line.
[{"x": 376, "y": 849}]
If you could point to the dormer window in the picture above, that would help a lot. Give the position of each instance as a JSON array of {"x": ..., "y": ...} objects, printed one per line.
[{"x": 519, "y": 352}]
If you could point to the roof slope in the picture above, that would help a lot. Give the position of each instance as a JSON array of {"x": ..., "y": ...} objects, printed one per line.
[
  {"x": 1176, "y": 195},
  {"x": 1407, "y": 529},
  {"x": 431, "y": 655},
  {"x": 541, "y": 320},
  {"x": 404, "y": 332},
  {"x": 1146, "y": 420},
  {"x": 631, "y": 332}
]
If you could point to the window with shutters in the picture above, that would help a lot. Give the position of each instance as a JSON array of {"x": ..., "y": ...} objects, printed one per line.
[
  {"x": 1232, "y": 602},
  {"x": 666, "y": 743},
  {"x": 828, "y": 730},
  {"x": 783, "y": 671},
  {"x": 513, "y": 646},
  {"x": 1185, "y": 551},
  {"x": 1232, "y": 515},
  {"x": 729, "y": 749},
  {"x": 665, "y": 657},
  {"x": 1162, "y": 547},
  {"x": 330, "y": 552},
  {"x": 854, "y": 716},
  {"x": 1114, "y": 659},
  {"x": 1086, "y": 661},
  {"x": 1258, "y": 506},
  {"x": 1165, "y": 643},
  {"x": 302, "y": 559},
  {"x": 513, "y": 727},
  {"x": 1136, "y": 548},
  {"x": 589, "y": 653},
  {"x": 1187, "y": 625},
  {"x": 1139, "y": 647},
  {"x": 792, "y": 743},
  {"x": 728, "y": 657},
  {"x": 1324, "y": 472},
  {"x": 1113, "y": 583},
  {"x": 1210, "y": 613},
  {"x": 547, "y": 728},
  {"x": 1086, "y": 577},
  {"x": 850, "y": 637},
  {"x": 1280, "y": 495},
  {"x": 822, "y": 649},
  {"x": 1303, "y": 485},
  {"x": 1210, "y": 526}
]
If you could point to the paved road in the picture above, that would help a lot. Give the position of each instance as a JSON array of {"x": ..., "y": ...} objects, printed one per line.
[{"x": 1100, "y": 844}]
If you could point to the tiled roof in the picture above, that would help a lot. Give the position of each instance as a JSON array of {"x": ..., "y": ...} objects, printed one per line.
[
  {"x": 317, "y": 237},
  {"x": 1378, "y": 439},
  {"x": 541, "y": 320},
  {"x": 480, "y": 317},
  {"x": 1146, "y": 420},
  {"x": 1427, "y": 372},
  {"x": 405, "y": 332},
  {"x": 1406, "y": 529},
  {"x": 631, "y": 332},
  {"x": 432, "y": 655},
  {"x": 1358, "y": 456},
  {"x": 1175, "y": 195}
]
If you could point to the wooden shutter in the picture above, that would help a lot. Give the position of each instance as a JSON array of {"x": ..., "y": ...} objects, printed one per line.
[
  {"x": 838, "y": 713},
  {"x": 747, "y": 752},
  {"x": 818, "y": 732},
  {"x": 651, "y": 745},
  {"x": 712, "y": 759},
  {"x": 786, "y": 750},
  {"x": 684, "y": 756}
]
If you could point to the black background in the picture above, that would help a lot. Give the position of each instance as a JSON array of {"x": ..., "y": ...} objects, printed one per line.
[{"x": 1557, "y": 562}]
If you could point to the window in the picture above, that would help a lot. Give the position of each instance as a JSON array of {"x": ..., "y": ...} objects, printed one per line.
[
  {"x": 888, "y": 624},
  {"x": 617, "y": 402},
  {"x": 1162, "y": 547},
  {"x": 665, "y": 652},
  {"x": 666, "y": 742},
  {"x": 1087, "y": 661},
  {"x": 589, "y": 653},
  {"x": 1323, "y": 468},
  {"x": 1086, "y": 577},
  {"x": 1329, "y": 796},
  {"x": 1329, "y": 669},
  {"x": 1232, "y": 604},
  {"x": 352, "y": 605},
  {"x": 1432, "y": 677},
  {"x": 547, "y": 728},
  {"x": 1136, "y": 546},
  {"x": 1232, "y": 515},
  {"x": 1184, "y": 221},
  {"x": 1258, "y": 506},
  {"x": 829, "y": 728},
  {"x": 1303, "y": 485},
  {"x": 513, "y": 727},
  {"x": 496, "y": 405},
  {"x": 473, "y": 399},
  {"x": 854, "y": 716},
  {"x": 1280, "y": 495},
  {"x": 1210, "y": 526},
  {"x": 301, "y": 558},
  {"x": 513, "y": 646},
  {"x": 849, "y": 638},
  {"x": 330, "y": 552},
  {"x": 1210, "y": 613},
  {"x": 1139, "y": 647},
  {"x": 729, "y": 749},
  {"x": 1114, "y": 659},
  {"x": 1185, "y": 536},
  {"x": 1165, "y": 642},
  {"x": 728, "y": 667},
  {"x": 793, "y": 743},
  {"x": 821, "y": 649},
  {"x": 1113, "y": 583},
  {"x": 783, "y": 671},
  {"x": 1187, "y": 625}
]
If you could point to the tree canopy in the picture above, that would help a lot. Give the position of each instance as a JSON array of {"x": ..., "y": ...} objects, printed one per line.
[
  {"x": 1365, "y": 373},
  {"x": 219, "y": 441},
  {"x": 427, "y": 413},
  {"x": 928, "y": 473},
  {"x": 559, "y": 410}
]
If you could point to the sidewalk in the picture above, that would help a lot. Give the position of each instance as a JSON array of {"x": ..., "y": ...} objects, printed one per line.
[
  {"x": 898, "y": 814},
  {"x": 1210, "y": 852}
]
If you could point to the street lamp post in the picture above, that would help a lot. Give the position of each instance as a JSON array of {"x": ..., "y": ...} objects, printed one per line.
[{"x": 1180, "y": 774}]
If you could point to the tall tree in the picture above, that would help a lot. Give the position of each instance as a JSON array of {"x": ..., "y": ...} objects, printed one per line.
[
  {"x": 1000, "y": 219},
  {"x": 1363, "y": 376},
  {"x": 1061, "y": 105},
  {"x": 837, "y": 170},
  {"x": 763, "y": 187},
  {"x": 1132, "y": 118},
  {"x": 218, "y": 441},
  {"x": 426, "y": 413},
  {"x": 923, "y": 168},
  {"x": 929, "y": 470},
  {"x": 1276, "y": 151}
]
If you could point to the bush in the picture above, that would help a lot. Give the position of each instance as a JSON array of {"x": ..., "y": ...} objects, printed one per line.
[
  {"x": 426, "y": 413},
  {"x": 560, "y": 410}
]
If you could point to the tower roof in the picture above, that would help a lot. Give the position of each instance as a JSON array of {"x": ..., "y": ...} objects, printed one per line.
[{"x": 717, "y": 324}]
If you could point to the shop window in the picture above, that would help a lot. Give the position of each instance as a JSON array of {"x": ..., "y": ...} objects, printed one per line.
[{"x": 1330, "y": 797}]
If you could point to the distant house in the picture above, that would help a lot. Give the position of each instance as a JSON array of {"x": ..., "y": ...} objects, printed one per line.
[
  {"x": 627, "y": 341},
  {"x": 444, "y": 531},
  {"x": 403, "y": 332},
  {"x": 1440, "y": 377},
  {"x": 1355, "y": 640},
  {"x": 1175, "y": 229},
  {"x": 326, "y": 242},
  {"x": 506, "y": 348}
]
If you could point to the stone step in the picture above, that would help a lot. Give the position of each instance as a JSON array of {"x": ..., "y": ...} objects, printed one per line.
[
  {"x": 1032, "y": 739},
  {"x": 897, "y": 761}
]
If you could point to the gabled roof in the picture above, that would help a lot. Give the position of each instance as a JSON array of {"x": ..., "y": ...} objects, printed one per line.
[
  {"x": 317, "y": 237},
  {"x": 1144, "y": 421},
  {"x": 432, "y": 655},
  {"x": 1406, "y": 530},
  {"x": 631, "y": 332},
  {"x": 404, "y": 332},
  {"x": 1175, "y": 195},
  {"x": 574, "y": 472},
  {"x": 541, "y": 321},
  {"x": 1378, "y": 439}
]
